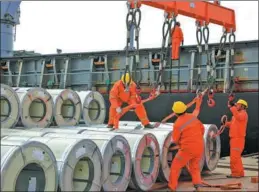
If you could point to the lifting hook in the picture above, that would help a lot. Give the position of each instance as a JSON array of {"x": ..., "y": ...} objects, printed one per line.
[{"x": 211, "y": 102}]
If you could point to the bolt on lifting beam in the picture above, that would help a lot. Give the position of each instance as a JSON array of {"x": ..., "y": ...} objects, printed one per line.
[{"x": 204, "y": 12}]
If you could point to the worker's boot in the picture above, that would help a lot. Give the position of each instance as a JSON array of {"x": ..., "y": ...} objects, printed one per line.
[
  {"x": 149, "y": 126},
  {"x": 109, "y": 126},
  {"x": 138, "y": 127},
  {"x": 234, "y": 177},
  {"x": 198, "y": 186}
]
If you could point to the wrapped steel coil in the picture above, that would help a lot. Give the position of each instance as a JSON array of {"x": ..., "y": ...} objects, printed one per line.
[
  {"x": 10, "y": 105},
  {"x": 59, "y": 130},
  {"x": 164, "y": 138},
  {"x": 36, "y": 107},
  {"x": 67, "y": 107},
  {"x": 94, "y": 108},
  {"x": 137, "y": 124},
  {"x": 79, "y": 160},
  {"x": 27, "y": 166},
  {"x": 145, "y": 158},
  {"x": 116, "y": 169},
  {"x": 21, "y": 132},
  {"x": 212, "y": 148}
]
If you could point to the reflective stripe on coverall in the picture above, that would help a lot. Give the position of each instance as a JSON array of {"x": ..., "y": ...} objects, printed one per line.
[
  {"x": 237, "y": 134},
  {"x": 177, "y": 38},
  {"x": 119, "y": 96},
  {"x": 188, "y": 135}
]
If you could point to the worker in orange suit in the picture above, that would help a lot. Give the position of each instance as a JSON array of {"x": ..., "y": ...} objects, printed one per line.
[
  {"x": 188, "y": 135},
  {"x": 177, "y": 39},
  {"x": 119, "y": 95},
  {"x": 237, "y": 133}
]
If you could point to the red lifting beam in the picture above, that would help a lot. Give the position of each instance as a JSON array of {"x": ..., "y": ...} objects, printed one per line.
[{"x": 199, "y": 10}]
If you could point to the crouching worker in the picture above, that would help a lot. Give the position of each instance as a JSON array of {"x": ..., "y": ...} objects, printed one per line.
[
  {"x": 188, "y": 135},
  {"x": 237, "y": 133},
  {"x": 118, "y": 96}
]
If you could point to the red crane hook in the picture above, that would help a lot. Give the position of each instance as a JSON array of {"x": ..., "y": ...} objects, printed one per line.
[{"x": 211, "y": 102}]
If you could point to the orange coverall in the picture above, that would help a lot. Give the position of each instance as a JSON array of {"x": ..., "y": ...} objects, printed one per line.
[
  {"x": 188, "y": 135},
  {"x": 119, "y": 96},
  {"x": 177, "y": 38},
  {"x": 237, "y": 134}
]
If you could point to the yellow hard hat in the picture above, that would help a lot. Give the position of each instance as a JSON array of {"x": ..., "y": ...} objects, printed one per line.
[
  {"x": 127, "y": 79},
  {"x": 179, "y": 107},
  {"x": 243, "y": 102}
]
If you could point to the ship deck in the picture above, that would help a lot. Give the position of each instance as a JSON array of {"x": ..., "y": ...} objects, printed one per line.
[{"x": 218, "y": 176}]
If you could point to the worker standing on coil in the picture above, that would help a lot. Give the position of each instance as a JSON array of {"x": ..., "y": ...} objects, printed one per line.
[
  {"x": 188, "y": 135},
  {"x": 237, "y": 133},
  {"x": 119, "y": 95},
  {"x": 177, "y": 39}
]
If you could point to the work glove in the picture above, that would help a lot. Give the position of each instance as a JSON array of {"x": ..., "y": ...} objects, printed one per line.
[
  {"x": 118, "y": 110},
  {"x": 231, "y": 103}
]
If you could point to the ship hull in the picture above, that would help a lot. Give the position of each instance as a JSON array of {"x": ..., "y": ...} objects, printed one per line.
[{"x": 161, "y": 107}]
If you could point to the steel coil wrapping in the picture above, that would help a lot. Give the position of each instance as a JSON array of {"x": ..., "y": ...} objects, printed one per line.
[
  {"x": 164, "y": 138},
  {"x": 67, "y": 130},
  {"x": 117, "y": 160},
  {"x": 212, "y": 148},
  {"x": 145, "y": 158},
  {"x": 10, "y": 105},
  {"x": 94, "y": 108},
  {"x": 67, "y": 107},
  {"x": 27, "y": 166},
  {"x": 79, "y": 160},
  {"x": 36, "y": 107},
  {"x": 21, "y": 132},
  {"x": 116, "y": 155}
]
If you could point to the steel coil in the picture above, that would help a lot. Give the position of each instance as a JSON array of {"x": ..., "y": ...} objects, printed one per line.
[
  {"x": 36, "y": 107},
  {"x": 67, "y": 107},
  {"x": 79, "y": 160},
  {"x": 137, "y": 124},
  {"x": 116, "y": 169},
  {"x": 212, "y": 148},
  {"x": 164, "y": 138},
  {"x": 94, "y": 108},
  {"x": 59, "y": 130},
  {"x": 10, "y": 105},
  {"x": 27, "y": 166},
  {"x": 145, "y": 158},
  {"x": 20, "y": 132}
]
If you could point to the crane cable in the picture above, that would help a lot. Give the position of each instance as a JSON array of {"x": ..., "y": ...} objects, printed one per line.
[
  {"x": 137, "y": 60},
  {"x": 129, "y": 25},
  {"x": 133, "y": 19},
  {"x": 210, "y": 69},
  {"x": 166, "y": 35}
]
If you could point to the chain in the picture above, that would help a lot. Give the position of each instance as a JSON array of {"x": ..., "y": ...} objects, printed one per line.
[
  {"x": 221, "y": 47},
  {"x": 210, "y": 70},
  {"x": 166, "y": 35},
  {"x": 199, "y": 41},
  {"x": 232, "y": 41},
  {"x": 129, "y": 25},
  {"x": 136, "y": 22},
  {"x": 133, "y": 19}
]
